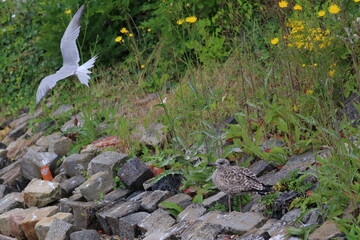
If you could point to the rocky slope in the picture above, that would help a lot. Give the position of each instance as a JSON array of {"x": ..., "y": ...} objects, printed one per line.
[{"x": 82, "y": 202}]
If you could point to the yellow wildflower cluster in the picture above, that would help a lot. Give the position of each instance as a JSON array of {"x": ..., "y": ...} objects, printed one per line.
[
  {"x": 125, "y": 31},
  {"x": 283, "y": 4},
  {"x": 334, "y": 9},
  {"x": 191, "y": 19},
  {"x": 303, "y": 37}
]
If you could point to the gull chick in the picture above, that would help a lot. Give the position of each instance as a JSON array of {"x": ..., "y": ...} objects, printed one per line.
[
  {"x": 234, "y": 180},
  {"x": 71, "y": 59}
]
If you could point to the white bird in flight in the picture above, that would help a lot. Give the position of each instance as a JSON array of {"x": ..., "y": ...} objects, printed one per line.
[{"x": 71, "y": 59}]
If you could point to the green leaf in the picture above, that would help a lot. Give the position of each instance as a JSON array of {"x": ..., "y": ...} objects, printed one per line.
[
  {"x": 198, "y": 198},
  {"x": 170, "y": 205}
]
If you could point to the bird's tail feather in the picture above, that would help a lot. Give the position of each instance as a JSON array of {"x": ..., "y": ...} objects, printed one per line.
[
  {"x": 266, "y": 189},
  {"x": 82, "y": 72}
]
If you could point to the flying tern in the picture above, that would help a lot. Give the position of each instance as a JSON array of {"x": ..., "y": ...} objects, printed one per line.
[{"x": 71, "y": 59}]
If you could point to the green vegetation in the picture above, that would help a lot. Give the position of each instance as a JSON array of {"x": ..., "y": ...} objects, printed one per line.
[{"x": 284, "y": 69}]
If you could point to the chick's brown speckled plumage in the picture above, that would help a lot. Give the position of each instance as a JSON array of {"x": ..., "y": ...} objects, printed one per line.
[{"x": 236, "y": 180}]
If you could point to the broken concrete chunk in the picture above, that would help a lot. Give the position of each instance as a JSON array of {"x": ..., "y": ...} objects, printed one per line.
[
  {"x": 40, "y": 193},
  {"x": 134, "y": 173},
  {"x": 160, "y": 220},
  {"x": 42, "y": 226},
  {"x": 11, "y": 201},
  {"x": 76, "y": 164},
  {"x": 107, "y": 162},
  {"x": 32, "y": 162},
  {"x": 97, "y": 186}
]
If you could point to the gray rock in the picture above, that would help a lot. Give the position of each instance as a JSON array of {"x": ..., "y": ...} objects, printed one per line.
[
  {"x": 329, "y": 230},
  {"x": 85, "y": 213},
  {"x": 4, "y": 189},
  {"x": 3, "y": 152},
  {"x": 313, "y": 218},
  {"x": 170, "y": 233},
  {"x": 291, "y": 216},
  {"x": 12, "y": 177},
  {"x": 192, "y": 213},
  {"x": 42, "y": 126},
  {"x": 42, "y": 226},
  {"x": 138, "y": 196},
  {"x": 85, "y": 234},
  {"x": 127, "y": 227},
  {"x": 254, "y": 205},
  {"x": 3, "y": 237},
  {"x": 281, "y": 205},
  {"x": 108, "y": 218},
  {"x": 18, "y": 148},
  {"x": 5, "y": 219},
  {"x": 11, "y": 201},
  {"x": 97, "y": 186},
  {"x": 154, "y": 134},
  {"x": 32, "y": 162},
  {"x": 169, "y": 183},
  {"x": 180, "y": 199},
  {"x": 273, "y": 227},
  {"x": 116, "y": 195},
  {"x": 55, "y": 143},
  {"x": 40, "y": 193},
  {"x": 107, "y": 162},
  {"x": 271, "y": 143},
  {"x": 236, "y": 222},
  {"x": 160, "y": 220},
  {"x": 31, "y": 219},
  {"x": 220, "y": 197},
  {"x": 64, "y": 202},
  {"x": 201, "y": 231},
  {"x": 59, "y": 230},
  {"x": 71, "y": 123},
  {"x": 150, "y": 202},
  {"x": 60, "y": 177},
  {"x": 296, "y": 162},
  {"x": 2, "y": 147},
  {"x": 134, "y": 173},
  {"x": 259, "y": 167},
  {"x": 20, "y": 120},
  {"x": 18, "y": 131},
  {"x": 61, "y": 110},
  {"x": 70, "y": 184},
  {"x": 76, "y": 164}
]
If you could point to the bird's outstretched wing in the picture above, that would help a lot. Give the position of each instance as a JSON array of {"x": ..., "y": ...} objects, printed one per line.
[
  {"x": 49, "y": 82},
  {"x": 68, "y": 46}
]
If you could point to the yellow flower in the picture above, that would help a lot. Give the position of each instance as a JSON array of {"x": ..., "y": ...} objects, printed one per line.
[
  {"x": 191, "y": 19},
  {"x": 356, "y": 0},
  {"x": 181, "y": 21},
  {"x": 131, "y": 35},
  {"x": 118, "y": 39},
  {"x": 297, "y": 7},
  {"x": 332, "y": 73},
  {"x": 124, "y": 30},
  {"x": 295, "y": 108},
  {"x": 142, "y": 66},
  {"x": 283, "y": 4},
  {"x": 309, "y": 92},
  {"x": 68, "y": 11},
  {"x": 149, "y": 30},
  {"x": 315, "y": 64},
  {"x": 304, "y": 65},
  {"x": 321, "y": 13},
  {"x": 334, "y": 9},
  {"x": 274, "y": 41}
]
